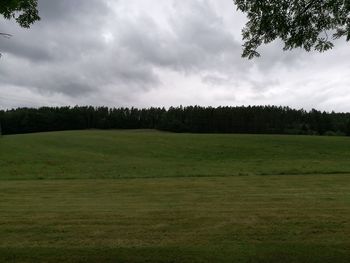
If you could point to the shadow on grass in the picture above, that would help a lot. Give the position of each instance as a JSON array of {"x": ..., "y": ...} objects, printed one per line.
[{"x": 265, "y": 253}]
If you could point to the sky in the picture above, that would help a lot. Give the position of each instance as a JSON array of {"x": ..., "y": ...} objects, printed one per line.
[{"x": 146, "y": 53}]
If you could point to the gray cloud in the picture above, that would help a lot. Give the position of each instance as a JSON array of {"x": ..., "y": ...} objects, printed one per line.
[{"x": 145, "y": 53}]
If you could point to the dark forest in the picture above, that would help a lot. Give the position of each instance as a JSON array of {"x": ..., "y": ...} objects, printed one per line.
[{"x": 193, "y": 119}]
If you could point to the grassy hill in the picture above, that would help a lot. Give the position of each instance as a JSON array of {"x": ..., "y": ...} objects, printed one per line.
[
  {"x": 147, "y": 196},
  {"x": 125, "y": 154}
]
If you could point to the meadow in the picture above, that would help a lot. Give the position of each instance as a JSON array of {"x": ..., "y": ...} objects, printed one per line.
[{"x": 148, "y": 196}]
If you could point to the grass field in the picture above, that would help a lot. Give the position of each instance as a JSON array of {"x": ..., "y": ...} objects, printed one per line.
[{"x": 146, "y": 196}]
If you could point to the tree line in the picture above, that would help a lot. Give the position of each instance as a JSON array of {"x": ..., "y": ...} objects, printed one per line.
[{"x": 192, "y": 119}]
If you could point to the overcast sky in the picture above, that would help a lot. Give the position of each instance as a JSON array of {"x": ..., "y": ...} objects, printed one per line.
[{"x": 159, "y": 53}]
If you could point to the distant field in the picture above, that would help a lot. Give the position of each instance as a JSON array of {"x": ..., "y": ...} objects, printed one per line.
[
  {"x": 147, "y": 196},
  {"x": 124, "y": 154}
]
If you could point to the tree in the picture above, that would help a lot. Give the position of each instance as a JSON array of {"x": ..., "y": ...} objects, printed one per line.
[
  {"x": 25, "y": 12},
  {"x": 348, "y": 128},
  {"x": 307, "y": 24}
]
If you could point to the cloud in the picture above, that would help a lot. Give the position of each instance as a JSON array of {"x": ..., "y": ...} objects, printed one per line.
[{"x": 158, "y": 53}]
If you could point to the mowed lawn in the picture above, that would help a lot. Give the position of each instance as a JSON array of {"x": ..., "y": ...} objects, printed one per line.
[
  {"x": 125, "y": 154},
  {"x": 147, "y": 196}
]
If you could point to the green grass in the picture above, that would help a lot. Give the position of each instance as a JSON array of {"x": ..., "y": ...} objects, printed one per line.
[
  {"x": 125, "y": 154},
  {"x": 145, "y": 196}
]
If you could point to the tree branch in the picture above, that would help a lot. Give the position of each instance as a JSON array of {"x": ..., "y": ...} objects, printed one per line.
[
  {"x": 5, "y": 35},
  {"x": 307, "y": 7}
]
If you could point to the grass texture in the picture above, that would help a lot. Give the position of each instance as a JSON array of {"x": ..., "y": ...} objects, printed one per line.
[{"x": 146, "y": 196}]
